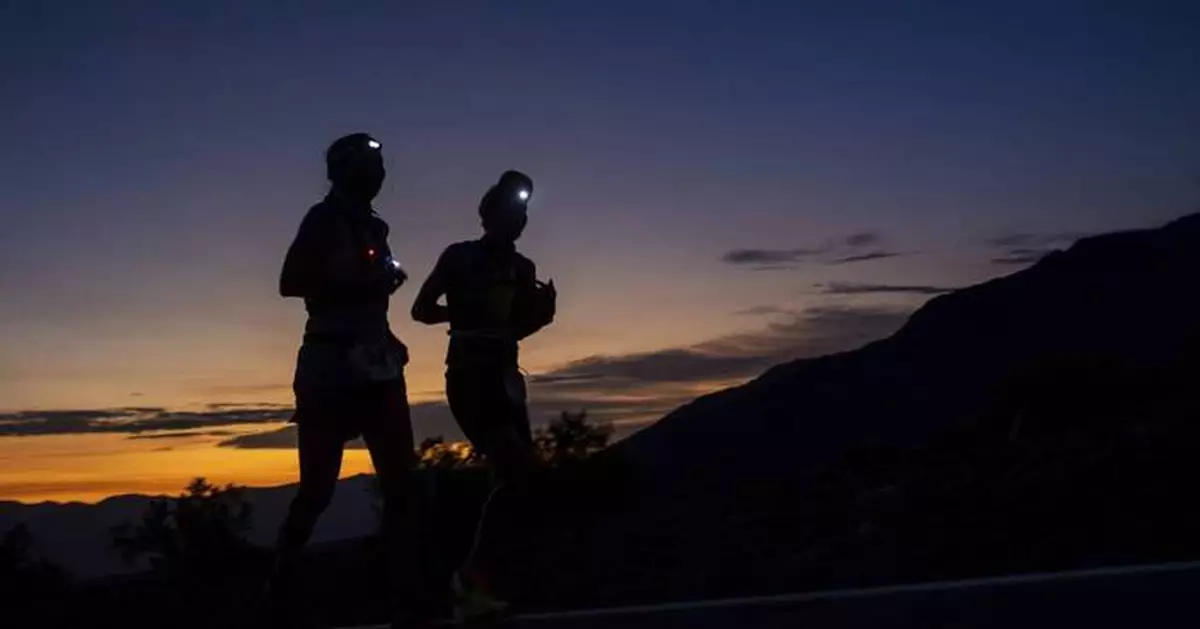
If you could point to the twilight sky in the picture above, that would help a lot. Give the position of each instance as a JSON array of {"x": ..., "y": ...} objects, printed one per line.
[{"x": 721, "y": 186}]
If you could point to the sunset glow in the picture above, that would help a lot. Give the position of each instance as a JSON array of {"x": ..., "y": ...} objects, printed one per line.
[{"x": 725, "y": 190}]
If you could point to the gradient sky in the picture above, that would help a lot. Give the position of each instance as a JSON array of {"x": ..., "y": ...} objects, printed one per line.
[{"x": 720, "y": 186}]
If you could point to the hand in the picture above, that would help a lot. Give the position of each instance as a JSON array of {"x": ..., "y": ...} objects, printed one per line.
[
  {"x": 385, "y": 279},
  {"x": 549, "y": 299},
  {"x": 551, "y": 291},
  {"x": 395, "y": 275}
]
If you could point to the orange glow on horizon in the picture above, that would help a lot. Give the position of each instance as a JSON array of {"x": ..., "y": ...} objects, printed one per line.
[
  {"x": 90, "y": 468},
  {"x": 191, "y": 372}
]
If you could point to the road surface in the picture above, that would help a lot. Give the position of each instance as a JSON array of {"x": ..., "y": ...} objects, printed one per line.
[{"x": 1163, "y": 595}]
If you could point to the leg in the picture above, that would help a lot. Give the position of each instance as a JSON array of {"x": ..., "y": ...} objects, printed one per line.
[
  {"x": 489, "y": 406},
  {"x": 406, "y": 501},
  {"x": 320, "y": 462},
  {"x": 518, "y": 411},
  {"x": 515, "y": 459}
]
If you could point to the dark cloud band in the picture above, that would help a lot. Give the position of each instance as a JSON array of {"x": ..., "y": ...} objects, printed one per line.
[
  {"x": 132, "y": 421},
  {"x": 1026, "y": 249},
  {"x": 858, "y": 247},
  {"x": 850, "y": 288}
]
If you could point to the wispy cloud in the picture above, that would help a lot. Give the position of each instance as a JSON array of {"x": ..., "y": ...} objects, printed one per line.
[
  {"x": 862, "y": 239},
  {"x": 811, "y": 332},
  {"x": 241, "y": 406},
  {"x": 769, "y": 258},
  {"x": 184, "y": 434},
  {"x": 669, "y": 365},
  {"x": 865, "y": 257},
  {"x": 852, "y": 288},
  {"x": 1025, "y": 249},
  {"x": 131, "y": 420},
  {"x": 1020, "y": 257},
  {"x": 1005, "y": 241},
  {"x": 857, "y": 247},
  {"x": 764, "y": 311},
  {"x": 279, "y": 438}
]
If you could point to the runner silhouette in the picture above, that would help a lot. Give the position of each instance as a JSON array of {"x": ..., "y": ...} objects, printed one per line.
[
  {"x": 349, "y": 380},
  {"x": 493, "y": 301}
]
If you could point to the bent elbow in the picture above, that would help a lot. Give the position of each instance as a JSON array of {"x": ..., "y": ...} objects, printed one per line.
[
  {"x": 289, "y": 288},
  {"x": 429, "y": 313}
]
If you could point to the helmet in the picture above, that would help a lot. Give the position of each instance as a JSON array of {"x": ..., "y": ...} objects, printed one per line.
[
  {"x": 350, "y": 151},
  {"x": 512, "y": 191}
]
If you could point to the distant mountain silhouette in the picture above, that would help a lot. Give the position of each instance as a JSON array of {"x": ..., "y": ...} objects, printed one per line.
[
  {"x": 1125, "y": 299},
  {"x": 77, "y": 536}
]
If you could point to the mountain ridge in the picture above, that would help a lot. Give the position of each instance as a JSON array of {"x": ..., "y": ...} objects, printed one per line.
[{"x": 948, "y": 364}]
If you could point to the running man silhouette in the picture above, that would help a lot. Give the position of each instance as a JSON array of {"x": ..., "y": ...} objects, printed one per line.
[
  {"x": 349, "y": 378},
  {"x": 493, "y": 301}
]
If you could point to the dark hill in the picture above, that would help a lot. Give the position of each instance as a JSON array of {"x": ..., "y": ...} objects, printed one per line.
[{"x": 1124, "y": 300}]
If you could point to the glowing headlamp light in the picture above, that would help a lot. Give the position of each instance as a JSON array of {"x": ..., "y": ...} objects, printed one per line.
[
  {"x": 374, "y": 144},
  {"x": 523, "y": 194}
]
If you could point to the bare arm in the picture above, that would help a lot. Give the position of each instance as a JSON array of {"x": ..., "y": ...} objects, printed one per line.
[
  {"x": 426, "y": 308},
  {"x": 541, "y": 302},
  {"x": 301, "y": 266}
]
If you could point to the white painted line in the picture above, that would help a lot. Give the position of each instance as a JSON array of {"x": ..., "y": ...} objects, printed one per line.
[{"x": 887, "y": 590}]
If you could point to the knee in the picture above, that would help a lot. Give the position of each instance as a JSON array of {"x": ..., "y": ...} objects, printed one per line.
[{"x": 312, "y": 500}]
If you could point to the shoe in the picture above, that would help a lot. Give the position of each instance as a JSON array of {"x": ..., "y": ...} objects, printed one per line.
[{"x": 474, "y": 604}]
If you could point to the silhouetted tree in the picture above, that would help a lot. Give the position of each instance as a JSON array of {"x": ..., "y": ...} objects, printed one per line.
[
  {"x": 571, "y": 437},
  {"x": 200, "y": 533},
  {"x": 22, "y": 572},
  {"x": 459, "y": 483},
  {"x": 436, "y": 454},
  {"x": 435, "y": 457},
  {"x": 453, "y": 467}
]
